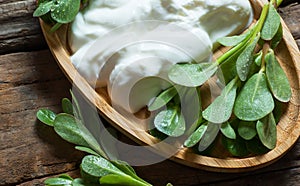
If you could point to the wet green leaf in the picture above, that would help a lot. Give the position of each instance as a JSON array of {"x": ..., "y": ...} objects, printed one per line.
[
  {"x": 113, "y": 179},
  {"x": 192, "y": 75},
  {"x": 278, "y": 110},
  {"x": 196, "y": 136},
  {"x": 220, "y": 109},
  {"x": 57, "y": 182},
  {"x": 227, "y": 70},
  {"x": 245, "y": 60},
  {"x": 236, "y": 147},
  {"x": 267, "y": 132},
  {"x": 255, "y": 101},
  {"x": 258, "y": 58},
  {"x": 65, "y": 176},
  {"x": 227, "y": 130},
  {"x": 271, "y": 24},
  {"x": 163, "y": 98},
  {"x": 247, "y": 129},
  {"x": 67, "y": 127},
  {"x": 256, "y": 147},
  {"x": 277, "y": 38},
  {"x": 209, "y": 136},
  {"x": 97, "y": 166},
  {"x": 170, "y": 122},
  {"x": 43, "y": 8},
  {"x": 46, "y": 116},
  {"x": 73, "y": 131},
  {"x": 278, "y": 81},
  {"x": 64, "y": 11},
  {"x": 154, "y": 132},
  {"x": 67, "y": 106},
  {"x": 87, "y": 150},
  {"x": 233, "y": 40}
]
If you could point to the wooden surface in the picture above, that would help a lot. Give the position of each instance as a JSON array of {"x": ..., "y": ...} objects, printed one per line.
[{"x": 30, "y": 79}]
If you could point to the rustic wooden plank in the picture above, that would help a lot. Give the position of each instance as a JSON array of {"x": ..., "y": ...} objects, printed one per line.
[
  {"x": 19, "y": 31},
  {"x": 29, "y": 149},
  {"x": 291, "y": 16}
]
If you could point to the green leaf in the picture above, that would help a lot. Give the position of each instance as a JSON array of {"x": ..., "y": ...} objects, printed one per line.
[
  {"x": 247, "y": 130},
  {"x": 58, "y": 182},
  {"x": 46, "y": 116},
  {"x": 87, "y": 150},
  {"x": 55, "y": 27},
  {"x": 163, "y": 98},
  {"x": 43, "y": 8},
  {"x": 82, "y": 182},
  {"x": 233, "y": 40},
  {"x": 78, "y": 182},
  {"x": 191, "y": 106},
  {"x": 113, "y": 179},
  {"x": 258, "y": 58},
  {"x": 278, "y": 81},
  {"x": 67, "y": 106},
  {"x": 209, "y": 136},
  {"x": 65, "y": 11},
  {"x": 256, "y": 147},
  {"x": 227, "y": 130},
  {"x": 277, "y": 38},
  {"x": 127, "y": 169},
  {"x": 278, "y": 110},
  {"x": 271, "y": 24},
  {"x": 236, "y": 147},
  {"x": 97, "y": 166},
  {"x": 255, "y": 101},
  {"x": 73, "y": 131},
  {"x": 65, "y": 176},
  {"x": 192, "y": 75},
  {"x": 227, "y": 70},
  {"x": 170, "y": 122},
  {"x": 267, "y": 132},
  {"x": 245, "y": 59},
  {"x": 67, "y": 127},
  {"x": 156, "y": 133},
  {"x": 220, "y": 109},
  {"x": 196, "y": 136}
]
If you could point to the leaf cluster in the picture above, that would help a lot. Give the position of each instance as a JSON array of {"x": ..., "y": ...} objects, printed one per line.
[
  {"x": 96, "y": 168},
  {"x": 253, "y": 82},
  {"x": 58, "y": 12}
]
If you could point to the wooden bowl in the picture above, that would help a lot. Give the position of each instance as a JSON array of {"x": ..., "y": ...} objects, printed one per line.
[{"x": 288, "y": 129}]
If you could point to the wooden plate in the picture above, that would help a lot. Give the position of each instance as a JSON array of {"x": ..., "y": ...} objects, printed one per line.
[{"x": 288, "y": 129}]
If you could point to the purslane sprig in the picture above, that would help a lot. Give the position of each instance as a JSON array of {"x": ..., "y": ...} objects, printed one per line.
[
  {"x": 96, "y": 168},
  {"x": 254, "y": 82},
  {"x": 58, "y": 12}
]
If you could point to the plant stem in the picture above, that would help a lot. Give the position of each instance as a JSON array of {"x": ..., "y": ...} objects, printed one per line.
[
  {"x": 265, "y": 50},
  {"x": 257, "y": 29}
]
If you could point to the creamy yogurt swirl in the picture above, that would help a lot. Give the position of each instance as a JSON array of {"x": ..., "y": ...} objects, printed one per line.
[{"x": 121, "y": 43}]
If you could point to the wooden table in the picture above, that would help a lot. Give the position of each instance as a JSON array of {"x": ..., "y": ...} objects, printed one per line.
[{"x": 30, "y": 79}]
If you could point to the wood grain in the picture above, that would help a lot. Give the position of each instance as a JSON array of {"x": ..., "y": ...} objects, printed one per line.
[
  {"x": 19, "y": 31},
  {"x": 23, "y": 90}
]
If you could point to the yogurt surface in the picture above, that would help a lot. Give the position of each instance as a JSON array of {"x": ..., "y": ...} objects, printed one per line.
[{"x": 119, "y": 43}]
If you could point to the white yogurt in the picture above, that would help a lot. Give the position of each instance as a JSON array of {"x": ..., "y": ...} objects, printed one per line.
[{"x": 116, "y": 45}]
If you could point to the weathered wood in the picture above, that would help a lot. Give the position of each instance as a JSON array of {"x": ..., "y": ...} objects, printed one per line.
[
  {"x": 29, "y": 149},
  {"x": 19, "y": 31},
  {"x": 291, "y": 16}
]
